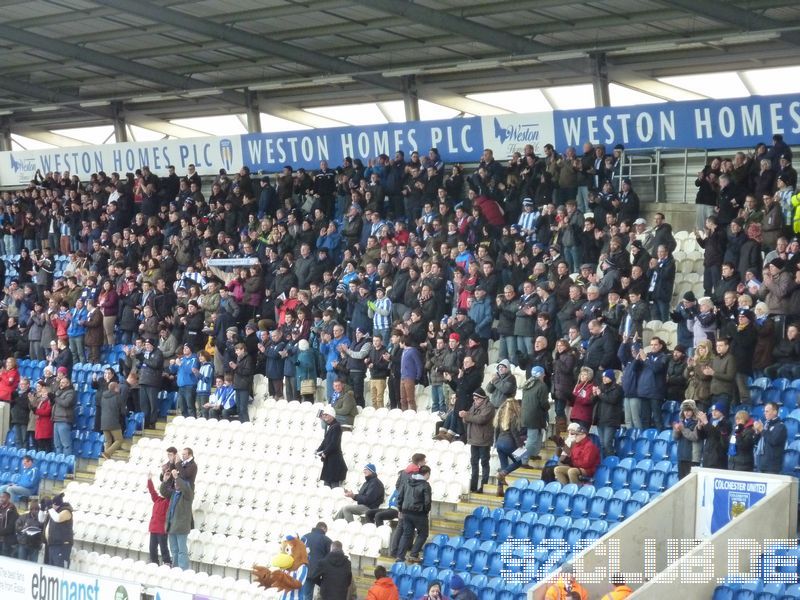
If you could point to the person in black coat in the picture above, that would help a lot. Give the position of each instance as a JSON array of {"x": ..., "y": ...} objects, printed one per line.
[
  {"x": 463, "y": 384},
  {"x": 716, "y": 432},
  {"x": 333, "y": 574},
  {"x": 601, "y": 353},
  {"x": 609, "y": 413},
  {"x": 319, "y": 545},
  {"x": 334, "y": 469},
  {"x": 741, "y": 455}
]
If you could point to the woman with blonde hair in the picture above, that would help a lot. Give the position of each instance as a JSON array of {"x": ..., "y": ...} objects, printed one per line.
[
  {"x": 698, "y": 384},
  {"x": 583, "y": 399},
  {"x": 507, "y": 424}
]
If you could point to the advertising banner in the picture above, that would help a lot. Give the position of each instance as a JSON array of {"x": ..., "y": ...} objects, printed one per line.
[
  {"x": 733, "y": 123},
  {"x": 162, "y": 594},
  {"x": 208, "y": 154},
  {"x": 21, "y": 580},
  {"x": 723, "y": 498},
  {"x": 456, "y": 139},
  {"x": 711, "y": 124}
]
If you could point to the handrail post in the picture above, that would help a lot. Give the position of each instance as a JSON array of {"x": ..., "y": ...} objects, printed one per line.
[
  {"x": 685, "y": 175},
  {"x": 658, "y": 174}
]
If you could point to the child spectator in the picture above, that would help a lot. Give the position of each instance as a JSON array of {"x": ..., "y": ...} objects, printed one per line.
[{"x": 222, "y": 402}]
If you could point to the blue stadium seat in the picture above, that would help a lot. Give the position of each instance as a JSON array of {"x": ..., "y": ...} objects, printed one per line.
[
  {"x": 405, "y": 585},
  {"x": 597, "y": 508},
  {"x": 790, "y": 461},
  {"x": 789, "y": 398},
  {"x": 503, "y": 530},
  {"x": 496, "y": 565},
  {"x": 519, "y": 484},
  {"x": 544, "y": 502},
  {"x": 528, "y": 500},
  {"x": 610, "y": 461},
  {"x": 602, "y": 476},
  {"x": 619, "y": 477},
  {"x": 512, "y": 497},
  {"x": 430, "y": 555},
  {"x": 579, "y": 505},
  {"x": 792, "y": 428},
  {"x": 463, "y": 559},
  {"x": 638, "y": 479}
]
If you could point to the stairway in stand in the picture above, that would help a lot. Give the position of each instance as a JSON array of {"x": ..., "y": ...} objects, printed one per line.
[{"x": 451, "y": 522}]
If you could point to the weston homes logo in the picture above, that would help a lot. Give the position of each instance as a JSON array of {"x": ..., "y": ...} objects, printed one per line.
[{"x": 507, "y": 134}]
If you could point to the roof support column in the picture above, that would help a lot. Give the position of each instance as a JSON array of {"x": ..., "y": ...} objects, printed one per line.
[
  {"x": 253, "y": 112},
  {"x": 5, "y": 134},
  {"x": 600, "y": 79},
  {"x": 410, "y": 97},
  {"x": 118, "y": 119}
]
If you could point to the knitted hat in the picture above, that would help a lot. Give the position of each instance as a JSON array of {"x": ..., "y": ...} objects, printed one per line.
[
  {"x": 609, "y": 374},
  {"x": 62, "y": 370},
  {"x": 479, "y": 393},
  {"x": 537, "y": 372},
  {"x": 456, "y": 583},
  {"x": 455, "y": 336},
  {"x": 371, "y": 467},
  {"x": 329, "y": 410}
]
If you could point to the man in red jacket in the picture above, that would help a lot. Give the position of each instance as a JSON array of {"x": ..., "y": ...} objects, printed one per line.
[
  {"x": 581, "y": 460},
  {"x": 158, "y": 523}
]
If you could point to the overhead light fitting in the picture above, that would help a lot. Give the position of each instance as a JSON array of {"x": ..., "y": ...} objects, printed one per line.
[
  {"x": 331, "y": 80},
  {"x": 566, "y": 55},
  {"x": 95, "y": 103},
  {"x": 402, "y": 72},
  {"x": 44, "y": 108},
  {"x": 4, "y": 113},
  {"x": 201, "y": 93},
  {"x": 476, "y": 65},
  {"x": 748, "y": 38},
  {"x": 144, "y": 99}
]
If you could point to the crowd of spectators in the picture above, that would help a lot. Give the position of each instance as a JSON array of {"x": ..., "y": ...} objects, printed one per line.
[{"x": 403, "y": 272}]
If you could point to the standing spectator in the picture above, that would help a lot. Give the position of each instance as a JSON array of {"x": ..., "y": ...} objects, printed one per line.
[
  {"x": 29, "y": 534},
  {"x": 56, "y": 516},
  {"x": 723, "y": 373},
  {"x": 369, "y": 497},
  {"x": 652, "y": 382},
  {"x": 187, "y": 467},
  {"x": 112, "y": 414},
  {"x": 180, "y": 495},
  {"x": 158, "y": 523},
  {"x": 21, "y": 412},
  {"x": 582, "y": 398},
  {"x": 243, "y": 371},
  {"x": 662, "y": 280},
  {"x": 609, "y": 412},
  {"x": 507, "y": 425},
  {"x": 95, "y": 336},
  {"x": 563, "y": 382},
  {"x": 150, "y": 366},
  {"x": 580, "y": 460},
  {"x": 204, "y": 371},
  {"x": 480, "y": 435},
  {"x": 108, "y": 303},
  {"x": 384, "y": 587},
  {"x": 434, "y": 365},
  {"x": 745, "y": 339},
  {"x": 185, "y": 366},
  {"x": 676, "y": 375},
  {"x": 411, "y": 371},
  {"x": 76, "y": 330},
  {"x": 684, "y": 432},
  {"x": 770, "y": 440},
  {"x": 333, "y": 574},
  {"x": 717, "y": 433},
  {"x": 63, "y": 413},
  {"x": 9, "y": 379},
  {"x": 334, "y": 469},
  {"x": 8, "y": 525},
  {"x": 535, "y": 411},
  {"x": 414, "y": 501},
  {"x": 43, "y": 430},
  {"x": 503, "y": 385},
  {"x": 712, "y": 240},
  {"x": 742, "y": 443},
  {"x": 319, "y": 545},
  {"x": 306, "y": 371}
]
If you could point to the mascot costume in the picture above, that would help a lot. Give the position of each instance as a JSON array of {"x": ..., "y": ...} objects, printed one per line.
[{"x": 289, "y": 569}]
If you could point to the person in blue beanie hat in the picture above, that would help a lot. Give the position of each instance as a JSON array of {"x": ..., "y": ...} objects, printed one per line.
[
  {"x": 459, "y": 589},
  {"x": 370, "y": 496}
]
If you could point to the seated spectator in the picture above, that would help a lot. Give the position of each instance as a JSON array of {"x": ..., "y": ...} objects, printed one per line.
[
  {"x": 369, "y": 497},
  {"x": 28, "y": 483},
  {"x": 579, "y": 460}
]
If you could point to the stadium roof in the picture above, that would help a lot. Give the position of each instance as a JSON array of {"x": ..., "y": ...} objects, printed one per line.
[{"x": 81, "y": 63}]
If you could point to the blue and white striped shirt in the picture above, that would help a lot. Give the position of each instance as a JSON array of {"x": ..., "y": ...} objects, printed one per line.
[
  {"x": 300, "y": 575},
  {"x": 382, "y": 314},
  {"x": 225, "y": 396},
  {"x": 205, "y": 378}
]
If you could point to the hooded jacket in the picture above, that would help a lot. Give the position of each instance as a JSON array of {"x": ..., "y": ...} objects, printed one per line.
[
  {"x": 504, "y": 387},
  {"x": 333, "y": 575},
  {"x": 535, "y": 404},
  {"x": 415, "y": 496},
  {"x": 371, "y": 492},
  {"x": 383, "y": 589},
  {"x": 689, "y": 445},
  {"x": 609, "y": 411},
  {"x": 478, "y": 421}
]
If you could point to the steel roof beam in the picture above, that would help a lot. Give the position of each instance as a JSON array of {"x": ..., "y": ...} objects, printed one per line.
[{"x": 239, "y": 37}]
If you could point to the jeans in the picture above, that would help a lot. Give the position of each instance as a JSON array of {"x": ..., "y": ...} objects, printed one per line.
[
  {"x": 508, "y": 349},
  {"x": 380, "y": 515},
  {"x": 20, "y": 434},
  {"x": 178, "y": 547},
  {"x": 533, "y": 444},
  {"x": 524, "y": 344},
  {"x": 186, "y": 400},
  {"x": 574, "y": 257},
  {"x": 62, "y": 437},
  {"x": 438, "y": 402},
  {"x": 148, "y": 397},
  {"x": 414, "y": 522},
  {"x": 606, "y": 434},
  {"x": 711, "y": 277},
  {"x": 28, "y": 553},
  {"x": 633, "y": 412},
  {"x": 655, "y": 412},
  {"x": 330, "y": 377},
  {"x": 505, "y": 446},
  {"x": 76, "y": 347},
  {"x": 242, "y": 404},
  {"x": 479, "y": 454},
  {"x": 582, "y": 198},
  {"x": 15, "y": 491},
  {"x": 159, "y": 540}
]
